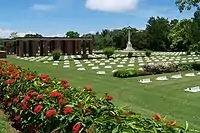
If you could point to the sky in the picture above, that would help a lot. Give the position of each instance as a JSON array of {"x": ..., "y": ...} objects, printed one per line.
[{"x": 56, "y": 17}]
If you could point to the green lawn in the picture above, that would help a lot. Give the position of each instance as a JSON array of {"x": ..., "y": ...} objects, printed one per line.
[
  {"x": 165, "y": 97},
  {"x": 5, "y": 126}
]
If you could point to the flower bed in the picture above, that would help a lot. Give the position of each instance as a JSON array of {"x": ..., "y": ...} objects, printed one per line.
[{"x": 38, "y": 104}]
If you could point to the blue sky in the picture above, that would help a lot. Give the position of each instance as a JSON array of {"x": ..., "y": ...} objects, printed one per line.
[{"x": 56, "y": 17}]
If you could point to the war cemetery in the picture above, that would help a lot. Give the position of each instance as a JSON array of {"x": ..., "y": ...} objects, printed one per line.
[{"x": 113, "y": 81}]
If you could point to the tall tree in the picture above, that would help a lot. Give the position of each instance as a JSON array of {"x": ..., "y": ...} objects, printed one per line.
[
  {"x": 158, "y": 30},
  {"x": 72, "y": 34},
  {"x": 187, "y": 4},
  {"x": 181, "y": 35}
]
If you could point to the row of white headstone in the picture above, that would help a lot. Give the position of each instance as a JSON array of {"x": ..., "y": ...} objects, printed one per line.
[{"x": 165, "y": 78}]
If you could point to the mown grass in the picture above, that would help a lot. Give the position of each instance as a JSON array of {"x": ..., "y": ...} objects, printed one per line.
[{"x": 165, "y": 97}]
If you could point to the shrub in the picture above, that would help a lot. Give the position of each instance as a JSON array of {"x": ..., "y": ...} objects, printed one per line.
[
  {"x": 125, "y": 73},
  {"x": 188, "y": 52},
  {"x": 148, "y": 53},
  {"x": 108, "y": 51},
  {"x": 56, "y": 55},
  {"x": 196, "y": 66},
  {"x": 184, "y": 67},
  {"x": 37, "y": 103},
  {"x": 130, "y": 54},
  {"x": 160, "y": 67}
]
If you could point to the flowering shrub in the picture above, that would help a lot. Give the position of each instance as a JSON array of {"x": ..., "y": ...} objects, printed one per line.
[
  {"x": 160, "y": 67},
  {"x": 39, "y": 104}
]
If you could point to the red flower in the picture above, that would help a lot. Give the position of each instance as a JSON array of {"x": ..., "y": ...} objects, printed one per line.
[
  {"x": 45, "y": 78},
  {"x": 29, "y": 77},
  {"x": 108, "y": 97},
  {"x": 9, "y": 104},
  {"x": 50, "y": 113},
  {"x": 24, "y": 106},
  {"x": 38, "y": 108},
  {"x": 10, "y": 81},
  {"x": 30, "y": 92},
  {"x": 63, "y": 81},
  {"x": 16, "y": 99},
  {"x": 17, "y": 117},
  {"x": 77, "y": 127},
  {"x": 27, "y": 98},
  {"x": 156, "y": 117},
  {"x": 88, "y": 88},
  {"x": 67, "y": 110},
  {"x": 56, "y": 94},
  {"x": 62, "y": 101},
  {"x": 66, "y": 86},
  {"x": 17, "y": 77}
]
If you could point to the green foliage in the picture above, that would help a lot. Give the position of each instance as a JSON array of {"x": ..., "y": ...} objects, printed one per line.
[
  {"x": 33, "y": 35},
  {"x": 182, "y": 35},
  {"x": 35, "y": 102},
  {"x": 109, "y": 51},
  {"x": 148, "y": 53},
  {"x": 130, "y": 54},
  {"x": 196, "y": 66},
  {"x": 126, "y": 73},
  {"x": 56, "y": 55},
  {"x": 187, "y": 4},
  {"x": 188, "y": 52},
  {"x": 158, "y": 30},
  {"x": 72, "y": 34}
]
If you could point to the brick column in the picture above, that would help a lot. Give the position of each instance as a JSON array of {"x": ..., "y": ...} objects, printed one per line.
[
  {"x": 66, "y": 46},
  {"x": 5, "y": 47},
  {"x": 21, "y": 48},
  {"x": 90, "y": 47},
  {"x": 84, "y": 46},
  {"x": 63, "y": 47},
  {"x": 45, "y": 47},
  {"x": 17, "y": 48},
  {"x": 14, "y": 47},
  {"x": 69, "y": 47},
  {"x": 26, "y": 48},
  {"x": 58, "y": 44},
  {"x": 41, "y": 45},
  {"x": 79, "y": 42},
  {"x": 34, "y": 47}
]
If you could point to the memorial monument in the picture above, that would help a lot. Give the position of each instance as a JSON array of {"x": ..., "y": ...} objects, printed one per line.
[{"x": 129, "y": 44}]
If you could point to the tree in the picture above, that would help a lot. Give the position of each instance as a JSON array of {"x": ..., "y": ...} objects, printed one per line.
[
  {"x": 33, "y": 35},
  {"x": 158, "y": 30},
  {"x": 14, "y": 35},
  {"x": 187, "y": 4},
  {"x": 181, "y": 35},
  {"x": 72, "y": 34}
]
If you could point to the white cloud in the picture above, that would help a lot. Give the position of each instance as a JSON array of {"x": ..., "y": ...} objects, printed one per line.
[
  {"x": 112, "y": 5},
  {"x": 5, "y": 33},
  {"x": 43, "y": 7}
]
